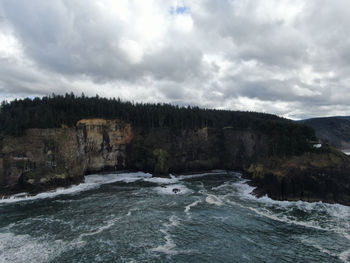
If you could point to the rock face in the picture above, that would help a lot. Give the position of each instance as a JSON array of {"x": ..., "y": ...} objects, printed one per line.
[
  {"x": 48, "y": 158},
  {"x": 323, "y": 175},
  {"x": 102, "y": 144},
  {"x": 164, "y": 150}
]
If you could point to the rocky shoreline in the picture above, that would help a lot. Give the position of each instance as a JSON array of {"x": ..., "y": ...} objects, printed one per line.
[
  {"x": 302, "y": 179},
  {"x": 45, "y": 159}
]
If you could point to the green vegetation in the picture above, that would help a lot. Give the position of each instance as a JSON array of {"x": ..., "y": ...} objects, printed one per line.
[
  {"x": 43, "y": 177},
  {"x": 162, "y": 161},
  {"x": 287, "y": 137}
]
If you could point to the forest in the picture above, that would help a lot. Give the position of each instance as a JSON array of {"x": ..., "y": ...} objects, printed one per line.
[{"x": 54, "y": 111}]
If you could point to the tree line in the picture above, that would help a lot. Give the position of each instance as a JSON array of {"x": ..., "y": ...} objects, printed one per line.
[{"x": 56, "y": 110}]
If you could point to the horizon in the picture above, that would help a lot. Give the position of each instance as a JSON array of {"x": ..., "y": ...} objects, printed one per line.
[{"x": 287, "y": 58}]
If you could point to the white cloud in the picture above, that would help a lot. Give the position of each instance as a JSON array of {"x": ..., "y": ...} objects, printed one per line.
[{"x": 285, "y": 57}]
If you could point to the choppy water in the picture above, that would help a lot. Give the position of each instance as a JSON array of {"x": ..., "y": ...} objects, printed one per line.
[{"x": 136, "y": 218}]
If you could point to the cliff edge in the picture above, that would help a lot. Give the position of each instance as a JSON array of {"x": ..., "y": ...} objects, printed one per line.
[
  {"x": 44, "y": 159},
  {"x": 319, "y": 175}
]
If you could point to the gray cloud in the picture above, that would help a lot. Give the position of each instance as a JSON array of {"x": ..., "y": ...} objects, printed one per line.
[{"x": 285, "y": 57}]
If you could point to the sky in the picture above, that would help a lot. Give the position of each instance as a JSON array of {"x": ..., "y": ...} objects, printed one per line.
[{"x": 286, "y": 57}]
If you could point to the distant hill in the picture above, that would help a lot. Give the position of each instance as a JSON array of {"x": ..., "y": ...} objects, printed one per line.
[
  {"x": 334, "y": 129},
  {"x": 343, "y": 117}
]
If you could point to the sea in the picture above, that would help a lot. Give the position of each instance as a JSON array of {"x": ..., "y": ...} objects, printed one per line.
[{"x": 134, "y": 217}]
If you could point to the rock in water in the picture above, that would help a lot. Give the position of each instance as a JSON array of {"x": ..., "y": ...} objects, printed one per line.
[{"x": 176, "y": 190}]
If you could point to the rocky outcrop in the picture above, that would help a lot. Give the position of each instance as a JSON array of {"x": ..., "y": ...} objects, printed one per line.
[
  {"x": 102, "y": 144},
  {"x": 47, "y": 158},
  {"x": 322, "y": 175},
  {"x": 164, "y": 150}
]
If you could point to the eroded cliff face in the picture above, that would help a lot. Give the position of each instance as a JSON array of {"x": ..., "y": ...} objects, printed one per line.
[
  {"x": 165, "y": 150},
  {"x": 322, "y": 175},
  {"x": 102, "y": 144},
  {"x": 41, "y": 157},
  {"x": 47, "y": 158}
]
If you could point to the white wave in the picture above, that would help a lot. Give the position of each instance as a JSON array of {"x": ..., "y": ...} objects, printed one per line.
[
  {"x": 161, "y": 180},
  {"x": 96, "y": 180},
  {"x": 80, "y": 242},
  {"x": 214, "y": 172},
  {"x": 284, "y": 219},
  {"x": 188, "y": 207},
  {"x": 102, "y": 228},
  {"x": 222, "y": 186},
  {"x": 169, "y": 247},
  {"x": 24, "y": 248},
  {"x": 174, "y": 221},
  {"x": 337, "y": 220},
  {"x": 169, "y": 189},
  {"x": 336, "y": 210},
  {"x": 233, "y": 203},
  {"x": 112, "y": 178},
  {"x": 213, "y": 200},
  {"x": 91, "y": 182}
]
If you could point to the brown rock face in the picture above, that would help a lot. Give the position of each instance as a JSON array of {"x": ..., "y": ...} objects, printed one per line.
[
  {"x": 41, "y": 157},
  {"x": 48, "y": 158},
  {"x": 102, "y": 143}
]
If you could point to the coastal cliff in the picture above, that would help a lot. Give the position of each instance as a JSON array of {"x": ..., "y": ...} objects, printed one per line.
[
  {"x": 45, "y": 159},
  {"x": 54, "y": 141},
  {"x": 48, "y": 158},
  {"x": 320, "y": 175}
]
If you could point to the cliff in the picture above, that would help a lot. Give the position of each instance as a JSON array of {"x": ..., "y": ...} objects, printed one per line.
[
  {"x": 48, "y": 158},
  {"x": 320, "y": 175},
  {"x": 164, "y": 150}
]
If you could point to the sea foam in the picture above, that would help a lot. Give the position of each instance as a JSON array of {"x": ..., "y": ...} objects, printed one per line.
[
  {"x": 15, "y": 248},
  {"x": 91, "y": 182}
]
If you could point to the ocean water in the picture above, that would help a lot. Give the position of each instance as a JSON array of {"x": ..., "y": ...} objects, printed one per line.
[{"x": 133, "y": 217}]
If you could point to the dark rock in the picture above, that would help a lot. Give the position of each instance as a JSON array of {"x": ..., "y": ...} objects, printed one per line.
[
  {"x": 314, "y": 177},
  {"x": 176, "y": 190}
]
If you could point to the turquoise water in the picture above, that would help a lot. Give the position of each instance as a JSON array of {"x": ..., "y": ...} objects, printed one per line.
[{"x": 135, "y": 218}]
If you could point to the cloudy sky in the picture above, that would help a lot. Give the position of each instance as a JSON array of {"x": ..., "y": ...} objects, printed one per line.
[{"x": 290, "y": 58}]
